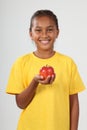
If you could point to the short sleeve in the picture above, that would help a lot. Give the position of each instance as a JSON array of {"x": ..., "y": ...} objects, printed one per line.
[
  {"x": 76, "y": 83},
  {"x": 15, "y": 82}
]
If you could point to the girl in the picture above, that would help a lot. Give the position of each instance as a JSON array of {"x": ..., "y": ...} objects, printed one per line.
[{"x": 51, "y": 103}]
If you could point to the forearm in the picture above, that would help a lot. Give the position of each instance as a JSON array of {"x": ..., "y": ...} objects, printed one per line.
[
  {"x": 24, "y": 98},
  {"x": 74, "y": 112}
]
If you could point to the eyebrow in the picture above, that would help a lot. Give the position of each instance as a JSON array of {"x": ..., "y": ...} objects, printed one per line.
[{"x": 50, "y": 26}]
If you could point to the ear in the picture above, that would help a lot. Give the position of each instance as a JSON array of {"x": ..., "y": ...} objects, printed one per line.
[
  {"x": 57, "y": 33},
  {"x": 30, "y": 34}
]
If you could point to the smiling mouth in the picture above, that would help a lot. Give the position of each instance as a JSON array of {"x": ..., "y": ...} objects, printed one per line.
[{"x": 44, "y": 41}]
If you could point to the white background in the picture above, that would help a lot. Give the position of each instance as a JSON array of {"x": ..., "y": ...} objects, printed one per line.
[{"x": 14, "y": 41}]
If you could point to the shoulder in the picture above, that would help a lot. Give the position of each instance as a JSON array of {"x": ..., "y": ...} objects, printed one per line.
[
  {"x": 21, "y": 60},
  {"x": 64, "y": 57},
  {"x": 66, "y": 60}
]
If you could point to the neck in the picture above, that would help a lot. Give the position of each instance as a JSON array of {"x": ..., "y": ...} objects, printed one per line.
[{"x": 44, "y": 54}]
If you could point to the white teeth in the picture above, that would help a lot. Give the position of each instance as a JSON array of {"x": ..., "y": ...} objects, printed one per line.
[{"x": 44, "y": 42}]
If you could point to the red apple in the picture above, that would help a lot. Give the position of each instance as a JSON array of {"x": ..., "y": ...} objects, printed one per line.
[{"x": 46, "y": 70}]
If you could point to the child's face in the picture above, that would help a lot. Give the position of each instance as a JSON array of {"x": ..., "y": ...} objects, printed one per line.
[{"x": 44, "y": 32}]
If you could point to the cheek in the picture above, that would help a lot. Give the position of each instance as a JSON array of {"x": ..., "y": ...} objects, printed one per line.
[
  {"x": 33, "y": 36},
  {"x": 54, "y": 37}
]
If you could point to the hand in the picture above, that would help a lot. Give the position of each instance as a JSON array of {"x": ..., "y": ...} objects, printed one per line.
[{"x": 48, "y": 80}]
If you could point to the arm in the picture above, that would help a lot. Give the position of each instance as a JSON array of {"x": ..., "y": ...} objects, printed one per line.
[
  {"x": 74, "y": 112},
  {"x": 24, "y": 98}
]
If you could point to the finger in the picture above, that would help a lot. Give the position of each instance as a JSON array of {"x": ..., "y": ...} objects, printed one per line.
[
  {"x": 52, "y": 79},
  {"x": 38, "y": 78},
  {"x": 46, "y": 81}
]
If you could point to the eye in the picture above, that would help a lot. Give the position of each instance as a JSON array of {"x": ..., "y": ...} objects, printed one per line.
[
  {"x": 37, "y": 30},
  {"x": 50, "y": 30}
]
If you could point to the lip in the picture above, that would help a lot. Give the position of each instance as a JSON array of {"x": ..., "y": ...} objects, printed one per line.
[{"x": 44, "y": 41}]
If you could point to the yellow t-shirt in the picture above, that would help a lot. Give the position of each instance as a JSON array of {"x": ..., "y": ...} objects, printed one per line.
[{"x": 49, "y": 109}]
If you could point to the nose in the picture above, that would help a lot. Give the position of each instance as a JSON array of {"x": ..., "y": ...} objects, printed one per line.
[{"x": 44, "y": 33}]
